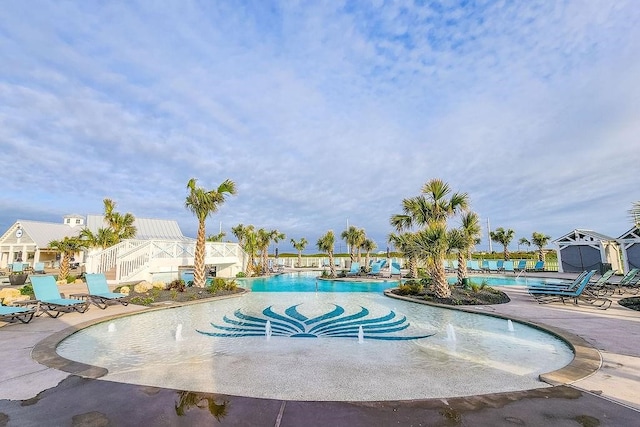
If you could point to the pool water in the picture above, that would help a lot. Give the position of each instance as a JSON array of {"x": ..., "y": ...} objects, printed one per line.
[{"x": 407, "y": 350}]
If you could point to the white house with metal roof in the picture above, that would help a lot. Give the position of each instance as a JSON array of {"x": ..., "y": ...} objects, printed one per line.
[
  {"x": 582, "y": 250},
  {"x": 157, "y": 252}
]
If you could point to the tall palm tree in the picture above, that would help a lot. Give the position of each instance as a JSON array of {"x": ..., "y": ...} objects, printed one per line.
[
  {"x": 250, "y": 246},
  {"x": 264, "y": 239},
  {"x": 431, "y": 210},
  {"x": 458, "y": 244},
  {"x": 504, "y": 237},
  {"x": 203, "y": 203},
  {"x": 67, "y": 247},
  {"x": 102, "y": 238},
  {"x": 368, "y": 245},
  {"x": 431, "y": 245},
  {"x": 325, "y": 244},
  {"x": 524, "y": 242},
  {"x": 540, "y": 240},
  {"x": 299, "y": 246}
]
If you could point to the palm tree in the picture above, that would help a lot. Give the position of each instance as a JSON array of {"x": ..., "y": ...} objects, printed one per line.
[
  {"x": 202, "y": 203},
  {"x": 264, "y": 239},
  {"x": 635, "y": 213},
  {"x": 504, "y": 237},
  {"x": 524, "y": 242},
  {"x": 353, "y": 236},
  {"x": 403, "y": 243},
  {"x": 102, "y": 238},
  {"x": 430, "y": 210},
  {"x": 216, "y": 237},
  {"x": 121, "y": 225},
  {"x": 463, "y": 239},
  {"x": 67, "y": 247},
  {"x": 368, "y": 245},
  {"x": 325, "y": 244},
  {"x": 540, "y": 240},
  {"x": 299, "y": 246}
]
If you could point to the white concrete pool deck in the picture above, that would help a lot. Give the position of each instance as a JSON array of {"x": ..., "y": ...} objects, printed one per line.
[{"x": 614, "y": 332}]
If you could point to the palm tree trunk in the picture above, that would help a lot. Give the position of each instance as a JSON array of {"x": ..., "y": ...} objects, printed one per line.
[
  {"x": 462, "y": 268},
  {"x": 332, "y": 266},
  {"x": 441, "y": 286},
  {"x": 413, "y": 268},
  {"x": 299, "y": 258},
  {"x": 249, "y": 269},
  {"x": 540, "y": 255},
  {"x": 507, "y": 257},
  {"x": 64, "y": 267},
  {"x": 198, "y": 261}
]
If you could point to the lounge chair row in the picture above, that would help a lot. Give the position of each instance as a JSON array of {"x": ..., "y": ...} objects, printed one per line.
[
  {"x": 494, "y": 266},
  {"x": 48, "y": 299},
  {"x": 582, "y": 288}
]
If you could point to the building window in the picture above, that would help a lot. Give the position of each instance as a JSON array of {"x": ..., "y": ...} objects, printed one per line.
[
  {"x": 77, "y": 221},
  {"x": 68, "y": 220}
]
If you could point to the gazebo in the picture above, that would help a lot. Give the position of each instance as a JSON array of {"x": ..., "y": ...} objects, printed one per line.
[
  {"x": 630, "y": 246},
  {"x": 582, "y": 250}
]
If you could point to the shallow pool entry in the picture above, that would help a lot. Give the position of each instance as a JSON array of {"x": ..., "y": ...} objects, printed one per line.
[{"x": 228, "y": 347}]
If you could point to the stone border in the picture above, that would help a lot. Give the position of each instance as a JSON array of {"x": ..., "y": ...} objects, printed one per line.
[
  {"x": 586, "y": 358},
  {"x": 44, "y": 352}
]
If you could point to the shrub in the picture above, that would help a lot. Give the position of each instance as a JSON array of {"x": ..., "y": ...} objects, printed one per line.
[
  {"x": 141, "y": 300},
  {"x": 178, "y": 285},
  {"x": 241, "y": 274},
  {"x": 26, "y": 289}
]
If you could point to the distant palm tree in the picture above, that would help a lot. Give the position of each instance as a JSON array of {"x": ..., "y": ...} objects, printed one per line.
[
  {"x": 264, "y": 239},
  {"x": 463, "y": 239},
  {"x": 524, "y": 242},
  {"x": 68, "y": 247},
  {"x": 504, "y": 237},
  {"x": 540, "y": 240},
  {"x": 368, "y": 245},
  {"x": 635, "y": 213},
  {"x": 299, "y": 246},
  {"x": 216, "y": 237},
  {"x": 121, "y": 225},
  {"x": 203, "y": 203},
  {"x": 325, "y": 244},
  {"x": 403, "y": 243},
  {"x": 247, "y": 241},
  {"x": 102, "y": 238},
  {"x": 354, "y": 237}
]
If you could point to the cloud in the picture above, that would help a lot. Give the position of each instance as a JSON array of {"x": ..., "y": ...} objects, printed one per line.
[{"x": 322, "y": 112}]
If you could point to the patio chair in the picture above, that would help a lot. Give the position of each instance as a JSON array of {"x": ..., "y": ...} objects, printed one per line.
[
  {"x": 522, "y": 266},
  {"x": 485, "y": 266},
  {"x": 376, "y": 269},
  {"x": 17, "y": 267},
  {"x": 508, "y": 267},
  {"x": 630, "y": 282},
  {"x": 500, "y": 265},
  {"x": 565, "y": 285},
  {"x": 474, "y": 266},
  {"x": 493, "y": 266},
  {"x": 544, "y": 296},
  {"x": 46, "y": 291},
  {"x": 395, "y": 269},
  {"x": 99, "y": 293},
  {"x": 539, "y": 266},
  {"x": 20, "y": 314},
  {"x": 355, "y": 269},
  {"x": 38, "y": 268}
]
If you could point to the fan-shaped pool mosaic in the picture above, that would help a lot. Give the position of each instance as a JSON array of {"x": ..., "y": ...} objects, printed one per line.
[{"x": 408, "y": 351}]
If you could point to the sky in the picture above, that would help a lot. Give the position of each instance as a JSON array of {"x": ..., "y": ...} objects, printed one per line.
[{"x": 324, "y": 113}]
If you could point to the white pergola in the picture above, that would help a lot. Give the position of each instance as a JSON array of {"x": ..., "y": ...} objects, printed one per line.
[
  {"x": 582, "y": 250},
  {"x": 630, "y": 248}
]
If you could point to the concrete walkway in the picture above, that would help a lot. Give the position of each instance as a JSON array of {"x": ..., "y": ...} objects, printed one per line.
[{"x": 34, "y": 394}]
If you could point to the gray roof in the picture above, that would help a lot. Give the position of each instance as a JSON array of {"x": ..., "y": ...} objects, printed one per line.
[
  {"x": 596, "y": 236},
  {"x": 44, "y": 232},
  {"x": 146, "y": 228}
]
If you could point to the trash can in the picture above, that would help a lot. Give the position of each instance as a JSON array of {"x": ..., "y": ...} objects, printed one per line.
[
  {"x": 604, "y": 267},
  {"x": 466, "y": 282}
]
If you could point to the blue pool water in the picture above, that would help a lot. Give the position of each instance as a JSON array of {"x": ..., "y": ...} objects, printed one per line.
[{"x": 309, "y": 282}]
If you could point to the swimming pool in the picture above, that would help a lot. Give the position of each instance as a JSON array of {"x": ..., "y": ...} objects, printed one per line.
[{"x": 407, "y": 350}]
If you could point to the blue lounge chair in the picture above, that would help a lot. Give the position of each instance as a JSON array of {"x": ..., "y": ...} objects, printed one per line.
[
  {"x": 46, "y": 291},
  {"x": 474, "y": 266},
  {"x": 507, "y": 267},
  {"x": 376, "y": 269},
  {"x": 539, "y": 266},
  {"x": 17, "y": 267},
  {"x": 355, "y": 269},
  {"x": 499, "y": 265},
  {"x": 13, "y": 314},
  {"x": 485, "y": 266},
  {"x": 38, "y": 268},
  {"x": 564, "y": 285},
  {"x": 581, "y": 292},
  {"x": 493, "y": 266},
  {"x": 99, "y": 291},
  {"x": 522, "y": 266},
  {"x": 395, "y": 269}
]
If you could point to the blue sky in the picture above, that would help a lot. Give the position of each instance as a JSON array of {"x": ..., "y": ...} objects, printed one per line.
[{"x": 322, "y": 112}]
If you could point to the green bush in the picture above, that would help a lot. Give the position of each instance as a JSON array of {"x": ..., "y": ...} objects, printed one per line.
[
  {"x": 26, "y": 289},
  {"x": 141, "y": 300},
  {"x": 241, "y": 274}
]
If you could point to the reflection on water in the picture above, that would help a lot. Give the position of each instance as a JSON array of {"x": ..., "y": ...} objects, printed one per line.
[{"x": 189, "y": 399}]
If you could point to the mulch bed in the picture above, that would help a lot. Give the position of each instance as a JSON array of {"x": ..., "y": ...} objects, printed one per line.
[
  {"x": 633, "y": 303},
  {"x": 461, "y": 296},
  {"x": 189, "y": 294}
]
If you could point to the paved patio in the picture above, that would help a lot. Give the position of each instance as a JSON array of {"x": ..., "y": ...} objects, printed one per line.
[{"x": 35, "y": 394}]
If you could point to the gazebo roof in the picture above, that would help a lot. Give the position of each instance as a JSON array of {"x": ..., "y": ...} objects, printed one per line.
[{"x": 578, "y": 236}]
